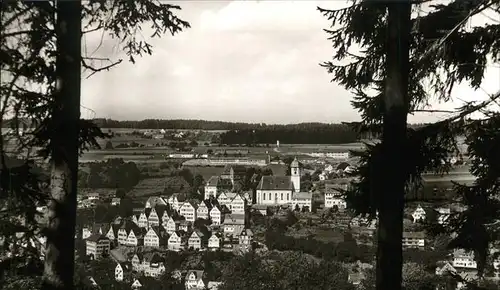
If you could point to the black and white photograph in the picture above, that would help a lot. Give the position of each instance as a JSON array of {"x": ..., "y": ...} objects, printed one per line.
[{"x": 250, "y": 145}]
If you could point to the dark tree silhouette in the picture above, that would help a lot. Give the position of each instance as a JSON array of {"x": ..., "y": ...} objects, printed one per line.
[{"x": 444, "y": 54}]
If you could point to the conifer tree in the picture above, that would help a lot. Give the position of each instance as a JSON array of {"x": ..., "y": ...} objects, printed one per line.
[
  {"x": 443, "y": 52},
  {"x": 41, "y": 63}
]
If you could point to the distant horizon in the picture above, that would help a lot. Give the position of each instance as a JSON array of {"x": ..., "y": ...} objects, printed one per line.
[{"x": 238, "y": 122}]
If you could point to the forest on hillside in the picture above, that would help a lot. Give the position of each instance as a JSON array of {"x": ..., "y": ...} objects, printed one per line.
[{"x": 311, "y": 133}]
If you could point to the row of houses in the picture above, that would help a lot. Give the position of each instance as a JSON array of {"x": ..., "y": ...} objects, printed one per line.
[
  {"x": 99, "y": 244},
  {"x": 193, "y": 279}
]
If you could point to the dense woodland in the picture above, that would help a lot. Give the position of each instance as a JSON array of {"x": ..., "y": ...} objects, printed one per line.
[{"x": 306, "y": 133}]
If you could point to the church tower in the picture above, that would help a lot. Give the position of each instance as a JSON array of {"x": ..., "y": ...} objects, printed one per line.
[{"x": 295, "y": 174}]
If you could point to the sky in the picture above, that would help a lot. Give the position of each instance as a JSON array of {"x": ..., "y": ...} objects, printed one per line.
[{"x": 241, "y": 61}]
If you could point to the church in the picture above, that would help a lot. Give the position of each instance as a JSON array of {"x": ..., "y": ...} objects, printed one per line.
[{"x": 283, "y": 190}]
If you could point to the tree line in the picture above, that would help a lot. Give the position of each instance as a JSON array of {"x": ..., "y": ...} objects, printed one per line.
[{"x": 304, "y": 133}]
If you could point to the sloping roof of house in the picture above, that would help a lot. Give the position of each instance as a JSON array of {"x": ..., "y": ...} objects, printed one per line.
[
  {"x": 343, "y": 166},
  {"x": 414, "y": 235},
  {"x": 275, "y": 183},
  {"x": 155, "y": 200},
  {"x": 213, "y": 181},
  {"x": 197, "y": 273},
  {"x": 96, "y": 238}
]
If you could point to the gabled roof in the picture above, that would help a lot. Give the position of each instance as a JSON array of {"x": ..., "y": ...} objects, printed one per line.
[
  {"x": 205, "y": 204},
  {"x": 213, "y": 181},
  {"x": 295, "y": 163},
  {"x": 96, "y": 238},
  {"x": 343, "y": 166},
  {"x": 152, "y": 257},
  {"x": 156, "y": 200},
  {"x": 275, "y": 183},
  {"x": 194, "y": 205},
  {"x": 128, "y": 225},
  {"x": 198, "y": 274}
]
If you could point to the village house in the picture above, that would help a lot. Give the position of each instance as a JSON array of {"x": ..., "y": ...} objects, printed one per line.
[
  {"x": 184, "y": 225},
  {"x": 123, "y": 232},
  {"x": 463, "y": 259},
  {"x": 188, "y": 211},
  {"x": 245, "y": 239},
  {"x": 86, "y": 232},
  {"x": 225, "y": 198},
  {"x": 444, "y": 214},
  {"x": 115, "y": 201},
  {"x": 195, "y": 280},
  {"x": 97, "y": 246},
  {"x": 343, "y": 168},
  {"x": 121, "y": 269},
  {"x": 302, "y": 200},
  {"x": 213, "y": 285},
  {"x": 136, "y": 262},
  {"x": 135, "y": 218},
  {"x": 413, "y": 239},
  {"x": 197, "y": 240},
  {"x": 277, "y": 190},
  {"x": 143, "y": 218},
  {"x": 355, "y": 278},
  {"x": 237, "y": 205},
  {"x": 177, "y": 241},
  {"x": 171, "y": 225},
  {"x": 233, "y": 224},
  {"x": 216, "y": 215},
  {"x": 211, "y": 187},
  {"x": 167, "y": 214},
  {"x": 156, "y": 237},
  {"x": 135, "y": 237},
  {"x": 215, "y": 242},
  {"x": 153, "y": 265},
  {"x": 334, "y": 195},
  {"x": 247, "y": 195},
  {"x": 137, "y": 284},
  {"x": 112, "y": 232},
  {"x": 156, "y": 215},
  {"x": 154, "y": 201},
  {"x": 93, "y": 196},
  {"x": 174, "y": 201},
  {"x": 203, "y": 210},
  {"x": 234, "y": 173},
  {"x": 422, "y": 213}
]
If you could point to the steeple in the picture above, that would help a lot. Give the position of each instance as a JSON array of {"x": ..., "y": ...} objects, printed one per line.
[{"x": 295, "y": 174}]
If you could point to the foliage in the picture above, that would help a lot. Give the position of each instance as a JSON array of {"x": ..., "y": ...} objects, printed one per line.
[
  {"x": 305, "y": 133},
  {"x": 347, "y": 251},
  {"x": 415, "y": 277},
  {"x": 112, "y": 173},
  {"x": 443, "y": 53},
  {"x": 28, "y": 54},
  {"x": 291, "y": 271}
]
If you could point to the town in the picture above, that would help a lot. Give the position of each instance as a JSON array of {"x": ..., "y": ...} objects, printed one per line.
[{"x": 234, "y": 213}]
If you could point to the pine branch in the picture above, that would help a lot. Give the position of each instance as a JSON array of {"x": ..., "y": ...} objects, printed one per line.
[
  {"x": 437, "y": 44},
  {"x": 96, "y": 70}
]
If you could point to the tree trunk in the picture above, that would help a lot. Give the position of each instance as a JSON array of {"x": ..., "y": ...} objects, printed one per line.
[
  {"x": 59, "y": 256},
  {"x": 391, "y": 197}
]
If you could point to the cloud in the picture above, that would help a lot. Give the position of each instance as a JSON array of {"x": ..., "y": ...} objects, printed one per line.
[{"x": 240, "y": 61}]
